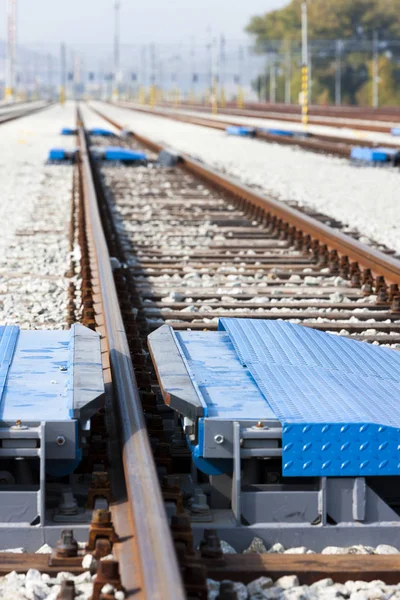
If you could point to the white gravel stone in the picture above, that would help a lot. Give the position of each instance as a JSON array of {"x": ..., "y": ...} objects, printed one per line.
[
  {"x": 45, "y": 549},
  {"x": 34, "y": 213},
  {"x": 227, "y": 548},
  {"x": 257, "y": 546},
  {"x": 336, "y": 188},
  {"x": 321, "y": 584},
  {"x": 298, "y": 550},
  {"x": 287, "y": 581},
  {"x": 258, "y": 586},
  {"x": 386, "y": 549},
  {"x": 334, "y": 550},
  {"x": 277, "y": 548}
]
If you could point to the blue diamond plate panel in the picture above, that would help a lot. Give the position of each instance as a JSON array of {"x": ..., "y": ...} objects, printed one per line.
[{"x": 338, "y": 399}]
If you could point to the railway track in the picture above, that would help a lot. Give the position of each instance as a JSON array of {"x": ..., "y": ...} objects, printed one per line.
[
  {"x": 362, "y": 120},
  {"x": 173, "y": 242},
  {"x": 192, "y": 247},
  {"x": 8, "y": 114},
  {"x": 324, "y": 144}
]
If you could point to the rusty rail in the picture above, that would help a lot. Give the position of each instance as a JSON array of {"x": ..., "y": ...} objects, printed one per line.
[
  {"x": 330, "y": 144},
  {"x": 17, "y": 114},
  {"x": 379, "y": 263},
  {"x": 151, "y": 543},
  {"x": 361, "y": 122}
]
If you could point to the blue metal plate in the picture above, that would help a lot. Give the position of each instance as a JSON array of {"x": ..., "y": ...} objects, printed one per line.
[
  {"x": 38, "y": 385},
  {"x": 227, "y": 390},
  {"x": 337, "y": 398}
]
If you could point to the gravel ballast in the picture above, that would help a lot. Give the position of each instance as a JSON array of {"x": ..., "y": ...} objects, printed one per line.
[
  {"x": 364, "y": 198},
  {"x": 35, "y": 212}
]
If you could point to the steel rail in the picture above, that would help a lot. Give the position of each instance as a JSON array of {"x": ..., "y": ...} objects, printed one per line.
[
  {"x": 326, "y": 144},
  {"x": 159, "y": 568},
  {"x": 367, "y": 257},
  {"x": 361, "y": 124},
  {"x": 12, "y": 115}
]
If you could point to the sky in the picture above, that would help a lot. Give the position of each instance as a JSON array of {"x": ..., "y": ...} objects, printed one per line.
[{"x": 91, "y": 21}]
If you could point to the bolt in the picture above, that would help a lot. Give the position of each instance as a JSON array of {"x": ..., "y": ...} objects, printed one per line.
[
  {"x": 199, "y": 504},
  {"x": 68, "y": 504},
  {"x": 219, "y": 439},
  {"x": 67, "y": 544},
  {"x": 210, "y": 545},
  {"x": 60, "y": 440},
  {"x": 227, "y": 591},
  {"x": 67, "y": 590},
  {"x": 101, "y": 517},
  {"x": 395, "y": 306},
  {"x": 108, "y": 570}
]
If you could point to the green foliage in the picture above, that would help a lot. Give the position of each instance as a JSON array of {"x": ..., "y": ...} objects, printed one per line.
[{"x": 333, "y": 20}]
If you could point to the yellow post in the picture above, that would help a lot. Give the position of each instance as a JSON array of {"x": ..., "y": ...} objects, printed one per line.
[
  {"x": 304, "y": 92},
  {"x": 240, "y": 97},
  {"x": 177, "y": 97},
  {"x": 222, "y": 98},
  {"x": 214, "y": 96},
  {"x": 8, "y": 94},
  {"x": 152, "y": 96},
  {"x": 62, "y": 95}
]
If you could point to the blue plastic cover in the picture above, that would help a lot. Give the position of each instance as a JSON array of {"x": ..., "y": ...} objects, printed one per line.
[
  {"x": 68, "y": 131},
  {"x": 338, "y": 399},
  {"x": 101, "y": 132},
  {"x": 283, "y": 132},
  {"x": 61, "y": 154},
  {"x": 371, "y": 154},
  {"x": 123, "y": 154},
  {"x": 241, "y": 131},
  {"x": 57, "y": 154}
]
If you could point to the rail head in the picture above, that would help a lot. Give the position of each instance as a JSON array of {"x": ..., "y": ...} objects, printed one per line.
[{"x": 160, "y": 573}]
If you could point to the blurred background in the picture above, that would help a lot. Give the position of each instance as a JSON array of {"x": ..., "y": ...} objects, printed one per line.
[{"x": 240, "y": 51}]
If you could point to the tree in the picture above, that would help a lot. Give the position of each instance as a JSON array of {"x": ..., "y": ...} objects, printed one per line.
[{"x": 351, "y": 20}]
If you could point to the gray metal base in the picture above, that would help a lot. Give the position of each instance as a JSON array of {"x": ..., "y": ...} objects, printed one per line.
[
  {"x": 313, "y": 537},
  {"x": 31, "y": 538}
]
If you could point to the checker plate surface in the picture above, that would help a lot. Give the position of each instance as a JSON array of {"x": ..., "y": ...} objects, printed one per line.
[{"x": 338, "y": 399}]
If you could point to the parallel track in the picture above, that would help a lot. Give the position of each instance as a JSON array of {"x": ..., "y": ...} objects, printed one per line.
[
  {"x": 10, "y": 115},
  {"x": 362, "y": 120},
  {"x": 319, "y": 143}
]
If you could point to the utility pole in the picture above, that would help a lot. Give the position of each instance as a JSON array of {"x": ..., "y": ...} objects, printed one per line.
[
  {"x": 11, "y": 49},
  {"x": 338, "y": 78},
  {"x": 115, "y": 95},
  {"x": 304, "y": 53},
  {"x": 375, "y": 70},
  {"x": 214, "y": 76}
]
